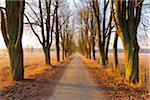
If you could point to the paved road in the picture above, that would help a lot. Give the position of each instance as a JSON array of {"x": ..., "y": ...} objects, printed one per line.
[{"x": 76, "y": 84}]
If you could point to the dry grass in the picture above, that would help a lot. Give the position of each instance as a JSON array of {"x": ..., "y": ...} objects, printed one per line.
[
  {"x": 34, "y": 64},
  {"x": 144, "y": 66},
  {"x": 114, "y": 84},
  {"x": 39, "y": 82}
]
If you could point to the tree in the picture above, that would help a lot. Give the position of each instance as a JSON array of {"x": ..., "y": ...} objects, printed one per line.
[
  {"x": 84, "y": 18},
  {"x": 115, "y": 52},
  {"x": 64, "y": 21},
  {"x": 98, "y": 32},
  {"x": 102, "y": 37},
  {"x": 12, "y": 30},
  {"x": 57, "y": 30},
  {"x": 45, "y": 38},
  {"x": 64, "y": 31},
  {"x": 127, "y": 21}
]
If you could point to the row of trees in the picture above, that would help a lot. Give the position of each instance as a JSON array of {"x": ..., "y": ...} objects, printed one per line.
[
  {"x": 99, "y": 19},
  {"x": 48, "y": 17}
]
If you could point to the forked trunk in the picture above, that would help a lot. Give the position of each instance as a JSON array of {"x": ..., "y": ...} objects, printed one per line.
[
  {"x": 16, "y": 62},
  {"x": 131, "y": 62}
]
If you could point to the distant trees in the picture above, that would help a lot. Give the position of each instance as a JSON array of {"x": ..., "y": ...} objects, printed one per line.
[
  {"x": 12, "y": 30},
  {"x": 103, "y": 37},
  {"x": 127, "y": 21},
  {"x": 91, "y": 22},
  {"x": 84, "y": 18},
  {"x": 64, "y": 28},
  {"x": 125, "y": 17},
  {"x": 87, "y": 30}
]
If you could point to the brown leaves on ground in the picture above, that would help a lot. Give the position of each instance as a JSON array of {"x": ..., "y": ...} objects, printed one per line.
[
  {"x": 113, "y": 84},
  {"x": 39, "y": 82}
]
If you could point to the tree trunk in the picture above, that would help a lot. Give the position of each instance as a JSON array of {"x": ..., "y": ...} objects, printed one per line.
[
  {"x": 16, "y": 62},
  {"x": 126, "y": 24},
  {"x": 47, "y": 55},
  {"x": 57, "y": 33},
  {"x": 93, "y": 47},
  {"x": 12, "y": 30},
  {"x": 107, "y": 47},
  {"x": 102, "y": 56},
  {"x": 89, "y": 51},
  {"x": 98, "y": 33},
  {"x": 115, "y": 52},
  {"x": 131, "y": 62},
  {"x": 63, "y": 51}
]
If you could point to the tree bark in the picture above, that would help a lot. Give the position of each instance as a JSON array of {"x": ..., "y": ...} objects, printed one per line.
[
  {"x": 115, "y": 52},
  {"x": 132, "y": 62},
  {"x": 57, "y": 34},
  {"x": 63, "y": 51},
  {"x": 126, "y": 24},
  {"x": 107, "y": 47},
  {"x": 12, "y": 30},
  {"x": 47, "y": 55},
  {"x": 93, "y": 47},
  {"x": 89, "y": 49},
  {"x": 98, "y": 33},
  {"x": 16, "y": 62}
]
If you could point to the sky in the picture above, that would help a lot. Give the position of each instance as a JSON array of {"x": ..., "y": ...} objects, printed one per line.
[{"x": 30, "y": 40}]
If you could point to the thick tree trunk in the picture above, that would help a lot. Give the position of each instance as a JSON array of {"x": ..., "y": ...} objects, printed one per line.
[
  {"x": 47, "y": 55},
  {"x": 126, "y": 24},
  {"x": 131, "y": 62},
  {"x": 12, "y": 30},
  {"x": 16, "y": 62},
  {"x": 115, "y": 52}
]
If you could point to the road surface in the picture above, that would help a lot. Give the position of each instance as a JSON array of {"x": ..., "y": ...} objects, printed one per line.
[{"x": 76, "y": 84}]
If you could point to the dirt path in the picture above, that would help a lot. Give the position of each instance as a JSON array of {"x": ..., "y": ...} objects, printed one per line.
[{"x": 76, "y": 84}]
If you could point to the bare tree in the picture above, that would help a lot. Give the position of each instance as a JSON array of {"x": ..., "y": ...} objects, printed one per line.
[
  {"x": 115, "y": 52},
  {"x": 96, "y": 9},
  {"x": 127, "y": 21},
  {"x": 45, "y": 38}
]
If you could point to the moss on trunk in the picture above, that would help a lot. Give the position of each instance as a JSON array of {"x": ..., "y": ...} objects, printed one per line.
[
  {"x": 131, "y": 63},
  {"x": 47, "y": 56},
  {"x": 16, "y": 62}
]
